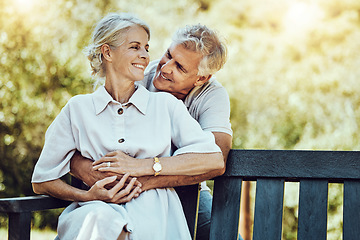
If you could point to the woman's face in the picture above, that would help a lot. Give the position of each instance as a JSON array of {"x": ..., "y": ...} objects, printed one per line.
[{"x": 130, "y": 59}]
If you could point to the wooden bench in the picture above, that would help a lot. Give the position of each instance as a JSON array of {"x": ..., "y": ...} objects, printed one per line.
[{"x": 314, "y": 170}]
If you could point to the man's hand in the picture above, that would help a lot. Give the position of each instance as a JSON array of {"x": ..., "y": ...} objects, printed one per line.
[
  {"x": 81, "y": 168},
  {"x": 121, "y": 192}
]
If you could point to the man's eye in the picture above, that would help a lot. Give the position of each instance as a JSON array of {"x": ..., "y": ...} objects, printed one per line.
[{"x": 181, "y": 68}]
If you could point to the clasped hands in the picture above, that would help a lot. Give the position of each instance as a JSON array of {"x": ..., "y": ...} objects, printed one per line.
[{"x": 118, "y": 186}]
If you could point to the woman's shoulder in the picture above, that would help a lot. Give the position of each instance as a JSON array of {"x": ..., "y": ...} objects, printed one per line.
[
  {"x": 169, "y": 103},
  {"x": 165, "y": 97},
  {"x": 79, "y": 100}
]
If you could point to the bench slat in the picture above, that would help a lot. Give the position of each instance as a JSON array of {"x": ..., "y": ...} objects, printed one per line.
[
  {"x": 294, "y": 164},
  {"x": 351, "y": 221},
  {"x": 268, "y": 209},
  {"x": 313, "y": 202},
  {"x": 226, "y": 209}
]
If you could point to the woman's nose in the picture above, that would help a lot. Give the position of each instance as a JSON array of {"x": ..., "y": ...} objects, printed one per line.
[{"x": 144, "y": 54}]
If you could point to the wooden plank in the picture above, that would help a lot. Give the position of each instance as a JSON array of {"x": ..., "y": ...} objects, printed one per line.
[
  {"x": 268, "y": 209},
  {"x": 189, "y": 197},
  {"x": 294, "y": 164},
  {"x": 19, "y": 226},
  {"x": 225, "y": 213},
  {"x": 313, "y": 200},
  {"x": 351, "y": 219}
]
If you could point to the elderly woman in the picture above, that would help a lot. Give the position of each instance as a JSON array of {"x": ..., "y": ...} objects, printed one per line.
[{"x": 122, "y": 116}]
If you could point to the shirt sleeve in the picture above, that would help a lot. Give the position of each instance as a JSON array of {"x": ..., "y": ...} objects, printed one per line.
[
  {"x": 59, "y": 147},
  {"x": 214, "y": 112},
  {"x": 187, "y": 134}
]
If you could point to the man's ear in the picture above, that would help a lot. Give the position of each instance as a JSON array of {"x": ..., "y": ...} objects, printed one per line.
[
  {"x": 202, "y": 79},
  {"x": 106, "y": 52}
]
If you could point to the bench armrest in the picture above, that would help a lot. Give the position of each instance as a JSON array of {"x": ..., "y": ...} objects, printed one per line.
[
  {"x": 31, "y": 203},
  {"x": 19, "y": 211}
]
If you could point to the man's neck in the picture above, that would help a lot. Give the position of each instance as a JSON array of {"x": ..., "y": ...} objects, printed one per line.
[{"x": 180, "y": 96}]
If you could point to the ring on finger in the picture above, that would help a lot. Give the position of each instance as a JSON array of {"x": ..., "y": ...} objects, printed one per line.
[{"x": 108, "y": 164}]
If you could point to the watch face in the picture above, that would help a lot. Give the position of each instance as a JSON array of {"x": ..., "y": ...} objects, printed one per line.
[{"x": 157, "y": 167}]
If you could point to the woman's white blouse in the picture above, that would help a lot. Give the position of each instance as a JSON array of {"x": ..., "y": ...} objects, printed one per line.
[{"x": 149, "y": 125}]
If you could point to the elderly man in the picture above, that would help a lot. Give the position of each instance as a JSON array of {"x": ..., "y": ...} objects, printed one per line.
[{"x": 186, "y": 71}]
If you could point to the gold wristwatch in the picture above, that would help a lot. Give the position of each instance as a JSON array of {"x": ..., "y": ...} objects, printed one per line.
[{"x": 157, "y": 166}]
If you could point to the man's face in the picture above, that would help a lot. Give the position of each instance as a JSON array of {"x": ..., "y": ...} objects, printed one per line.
[{"x": 177, "y": 71}]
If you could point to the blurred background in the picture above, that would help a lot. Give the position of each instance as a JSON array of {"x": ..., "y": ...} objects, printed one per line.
[{"x": 292, "y": 75}]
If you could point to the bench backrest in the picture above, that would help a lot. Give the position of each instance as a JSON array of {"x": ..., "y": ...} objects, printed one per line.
[{"x": 271, "y": 169}]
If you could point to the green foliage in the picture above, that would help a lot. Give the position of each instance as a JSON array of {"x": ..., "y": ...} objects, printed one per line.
[
  {"x": 46, "y": 219},
  {"x": 292, "y": 73},
  {"x": 38, "y": 76}
]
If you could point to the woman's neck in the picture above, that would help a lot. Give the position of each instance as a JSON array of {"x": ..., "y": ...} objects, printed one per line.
[{"x": 120, "y": 91}]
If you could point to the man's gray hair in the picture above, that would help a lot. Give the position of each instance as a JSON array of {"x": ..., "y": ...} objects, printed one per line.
[{"x": 199, "y": 38}]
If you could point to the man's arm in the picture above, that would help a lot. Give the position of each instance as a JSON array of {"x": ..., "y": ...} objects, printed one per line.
[
  {"x": 82, "y": 168},
  {"x": 223, "y": 140}
]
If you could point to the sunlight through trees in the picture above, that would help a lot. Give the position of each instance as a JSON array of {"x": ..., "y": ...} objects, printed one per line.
[{"x": 292, "y": 74}]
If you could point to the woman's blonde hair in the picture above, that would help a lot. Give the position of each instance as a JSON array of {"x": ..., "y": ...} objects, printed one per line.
[
  {"x": 110, "y": 30},
  {"x": 201, "y": 39}
]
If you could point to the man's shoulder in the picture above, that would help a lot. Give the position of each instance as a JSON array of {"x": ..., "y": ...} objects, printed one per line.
[
  {"x": 213, "y": 83},
  {"x": 210, "y": 89},
  {"x": 210, "y": 106}
]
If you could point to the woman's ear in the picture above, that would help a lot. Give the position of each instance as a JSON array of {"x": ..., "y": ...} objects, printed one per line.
[
  {"x": 202, "y": 79},
  {"x": 106, "y": 52}
]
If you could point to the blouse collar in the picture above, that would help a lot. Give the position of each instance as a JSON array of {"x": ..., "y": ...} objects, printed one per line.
[{"x": 139, "y": 99}]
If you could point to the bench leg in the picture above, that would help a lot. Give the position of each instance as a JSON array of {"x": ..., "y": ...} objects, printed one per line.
[
  {"x": 19, "y": 226},
  {"x": 351, "y": 212}
]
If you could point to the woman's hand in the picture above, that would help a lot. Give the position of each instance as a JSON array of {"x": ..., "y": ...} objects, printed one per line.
[
  {"x": 121, "y": 192},
  {"x": 121, "y": 163}
]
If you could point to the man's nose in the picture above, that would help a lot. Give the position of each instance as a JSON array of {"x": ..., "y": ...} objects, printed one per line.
[{"x": 167, "y": 66}]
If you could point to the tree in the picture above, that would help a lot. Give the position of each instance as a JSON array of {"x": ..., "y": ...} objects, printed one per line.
[{"x": 42, "y": 66}]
